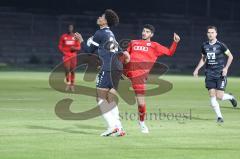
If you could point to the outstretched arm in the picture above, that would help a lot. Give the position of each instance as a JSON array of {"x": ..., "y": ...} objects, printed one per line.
[
  {"x": 169, "y": 51},
  {"x": 124, "y": 57}
]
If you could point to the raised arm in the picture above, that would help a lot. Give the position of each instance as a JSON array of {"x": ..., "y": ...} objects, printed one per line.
[
  {"x": 91, "y": 45},
  {"x": 169, "y": 51}
]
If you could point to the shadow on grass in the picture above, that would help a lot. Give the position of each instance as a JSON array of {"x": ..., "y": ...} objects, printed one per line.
[{"x": 67, "y": 130}]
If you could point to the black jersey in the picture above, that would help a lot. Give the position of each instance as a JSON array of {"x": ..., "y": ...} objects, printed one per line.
[
  {"x": 215, "y": 58},
  {"x": 107, "y": 48}
]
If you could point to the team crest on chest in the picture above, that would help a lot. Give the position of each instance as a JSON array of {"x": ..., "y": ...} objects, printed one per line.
[{"x": 148, "y": 44}]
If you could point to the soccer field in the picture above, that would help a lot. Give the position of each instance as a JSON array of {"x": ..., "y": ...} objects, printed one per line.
[{"x": 29, "y": 127}]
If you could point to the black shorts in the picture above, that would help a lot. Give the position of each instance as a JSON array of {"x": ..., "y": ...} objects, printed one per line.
[
  {"x": 216, "y": 83},
  {"x": 108, "y": 79}
]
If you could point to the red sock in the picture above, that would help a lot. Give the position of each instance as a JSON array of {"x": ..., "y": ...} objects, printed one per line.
[
  {"x": 68, "y": 77},
  {"x": 142, "y": 111},
  {"x": 72, "y": 77}
]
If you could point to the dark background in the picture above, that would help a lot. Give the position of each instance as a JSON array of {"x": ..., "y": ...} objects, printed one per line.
[
  {"x": 221, "y": 9},
  {"x": 30, "y": 30}
]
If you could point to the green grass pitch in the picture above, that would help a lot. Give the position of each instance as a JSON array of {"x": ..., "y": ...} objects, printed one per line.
[{"x": 29, "y": 127}]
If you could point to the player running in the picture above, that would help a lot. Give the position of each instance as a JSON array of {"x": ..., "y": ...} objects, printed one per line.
[
  {"x": 143, "y": 55},
  {"x": 69, "y": 47},
  {"x": 214, "y": 54},
  {"x": 111, "y": 70}
]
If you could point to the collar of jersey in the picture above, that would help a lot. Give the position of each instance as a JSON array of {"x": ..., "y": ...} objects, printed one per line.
[
  {"x": 213, "y": 43},
  {"x": 105, "y": 28}
]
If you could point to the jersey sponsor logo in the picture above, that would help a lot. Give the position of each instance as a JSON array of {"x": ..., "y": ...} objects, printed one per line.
[
  {"x": 211, "y": 55},
  {"x": 140, "y": 48},
  {"x": 69, "y": 42}
]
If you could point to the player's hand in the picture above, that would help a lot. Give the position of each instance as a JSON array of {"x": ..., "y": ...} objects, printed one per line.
[
  {"x": 73, "y": 49},
  {"x": 224, "y": 71},
  {"x": 126, "y": 56},
  {"x": 78, "y": 37},
  {"x": 176, "y": 37},
  {"x": 195, "y": 73}
]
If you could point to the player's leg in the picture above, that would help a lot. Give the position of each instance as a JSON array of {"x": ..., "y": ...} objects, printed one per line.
[
  {"x": 221, "y": 95},
  {"x": 114, "y": 79},
  {"x": 211, "y": 85},
  {"x": 139, "y": 89},
  {"x": 67, "y": 68},
  {"x": 112, "y": 94},
  {"x": 105, "y": 107},
  {"x": 73, "y": 66},
  {"x": 215, "y": 104}
]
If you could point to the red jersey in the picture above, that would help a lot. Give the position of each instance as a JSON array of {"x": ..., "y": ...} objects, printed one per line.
[
  {"x": 68, "y": 45},
  {"x": 143, "y": 56}
]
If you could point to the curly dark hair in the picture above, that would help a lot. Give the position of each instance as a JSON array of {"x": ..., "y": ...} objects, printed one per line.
[{"x": 111, "y": 17}]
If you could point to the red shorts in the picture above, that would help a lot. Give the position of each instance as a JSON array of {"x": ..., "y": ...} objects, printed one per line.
[
  {"x": 138, "y": 85},
  {"x": 70, "y": 62}
]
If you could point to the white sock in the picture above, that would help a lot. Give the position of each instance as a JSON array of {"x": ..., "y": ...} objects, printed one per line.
[
  {"x": 107, "y": 115},
  {"x": 141, "y": 123},
  {"x": 216, "y": 107},
  {"x": 115, "y": 113},
  {"x": 227, "y": 97}
]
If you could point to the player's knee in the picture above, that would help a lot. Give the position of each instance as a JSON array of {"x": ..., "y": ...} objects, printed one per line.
[{"x": 212, "y": 95}]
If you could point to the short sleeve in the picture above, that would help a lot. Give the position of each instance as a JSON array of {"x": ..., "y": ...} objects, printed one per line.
[
  {"x": 129, "y": 48},
  {"x": 203, "y": 50},
  {"x": 224, "y": 47}
]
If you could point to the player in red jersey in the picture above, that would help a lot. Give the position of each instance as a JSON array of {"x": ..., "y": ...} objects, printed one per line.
[
  {"x": 143, "y": 54},
  {"x": 69, "y": 47}
]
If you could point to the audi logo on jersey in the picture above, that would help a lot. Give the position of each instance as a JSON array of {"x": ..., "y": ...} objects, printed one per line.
[
  {"x": 69, "y": 42},
  {"x": 140, "y": 48}
]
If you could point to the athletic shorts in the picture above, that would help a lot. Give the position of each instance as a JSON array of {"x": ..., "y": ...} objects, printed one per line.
[
  {"x": 216, "y": 83},
  {"x": 70, "y": 62},
  {"x": 138, "y": 85},
  {"x": 108, "y": 79}
]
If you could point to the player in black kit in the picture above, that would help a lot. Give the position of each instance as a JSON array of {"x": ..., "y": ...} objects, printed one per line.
[
  {"x": 109, "y": 52},
  {"x": 218, "y": 58}
]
